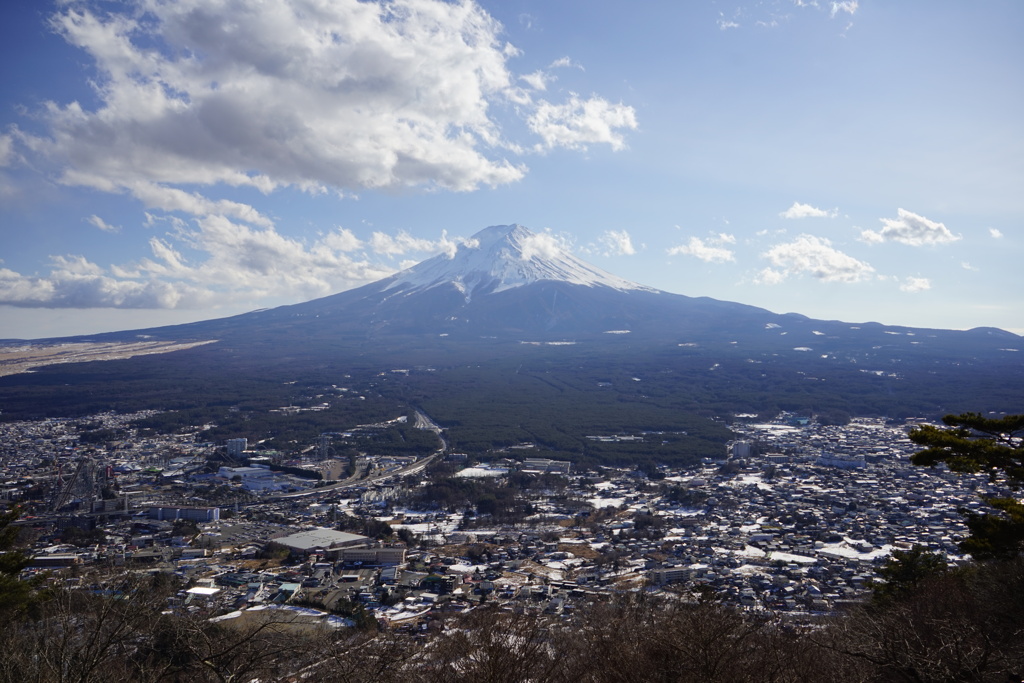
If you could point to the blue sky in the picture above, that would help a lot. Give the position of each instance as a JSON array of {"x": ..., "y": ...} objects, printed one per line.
[{"x": 170, "y": 161}]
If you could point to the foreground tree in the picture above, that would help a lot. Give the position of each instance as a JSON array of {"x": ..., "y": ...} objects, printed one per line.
[
  {"x": 15, "y": 594},
  {"x": 965, "y": 624},
  {"x": 905, "y": 571},
  {"x": 975, "y": 444},
  {"x": 123, "y": 631}
]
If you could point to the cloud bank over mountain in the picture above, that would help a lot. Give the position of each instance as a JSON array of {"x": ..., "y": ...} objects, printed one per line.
[
  {"x": 194, "y": 97},
  {"x": 187, "y": 160},
  {"x": 337, "y": 96}
]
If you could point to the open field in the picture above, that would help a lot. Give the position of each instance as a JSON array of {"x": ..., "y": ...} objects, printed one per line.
[{"x": 15, "y": 359}]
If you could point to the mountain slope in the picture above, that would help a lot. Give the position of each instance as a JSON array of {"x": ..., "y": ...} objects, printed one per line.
[
  {"x": 509, "y": 284},
  {"x": 516, "y": 332},
  {"x": 504, "y": 257}
]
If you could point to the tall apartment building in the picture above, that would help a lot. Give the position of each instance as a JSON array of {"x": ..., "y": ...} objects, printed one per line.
[{"x": 237, "y": 446}]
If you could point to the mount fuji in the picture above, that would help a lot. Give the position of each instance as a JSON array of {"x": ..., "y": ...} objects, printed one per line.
[
  {"x": 504, "y": 283},
  {"x": 507, "y": 283},
  {"x": 509, "y": 303},
  {"x": 504, "y": 257}
]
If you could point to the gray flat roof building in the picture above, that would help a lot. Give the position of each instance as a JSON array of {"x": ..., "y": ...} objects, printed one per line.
[{"x": 321, "y": 538}]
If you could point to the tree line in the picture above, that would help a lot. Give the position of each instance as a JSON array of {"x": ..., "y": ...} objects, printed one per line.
[{"x": 954, "y": 626}]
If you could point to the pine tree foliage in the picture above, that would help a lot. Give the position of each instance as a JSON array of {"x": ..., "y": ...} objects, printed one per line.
[
  {"x": 972, "y": 444},
  {"x": 905, "y": 571},
  {"x": 15, "y": 594}
]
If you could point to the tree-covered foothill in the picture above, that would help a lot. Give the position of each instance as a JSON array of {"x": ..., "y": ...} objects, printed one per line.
[
  {"x": 490, "y": 395},
  {"x": 974, "y": 444}
]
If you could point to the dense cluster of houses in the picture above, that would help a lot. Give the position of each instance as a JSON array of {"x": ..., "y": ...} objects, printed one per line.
[{"x": 793, "y": 517}]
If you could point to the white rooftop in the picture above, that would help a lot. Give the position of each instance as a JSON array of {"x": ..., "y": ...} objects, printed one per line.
[{"x": 320, "y": 538}]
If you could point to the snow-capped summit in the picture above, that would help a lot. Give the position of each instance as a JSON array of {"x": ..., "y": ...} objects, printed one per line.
[
  {"x": 508, "y": 292},
  {"x": 504, "y": 257}
]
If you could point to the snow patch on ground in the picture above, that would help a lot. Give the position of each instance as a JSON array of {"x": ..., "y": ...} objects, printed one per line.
[
  {"x": 854, "y": 550},
  {"x": 790, "y": 557},
  {"x": 467, "y": 568},
  {"x": 482, "y": 472},
  {"x": 606, "y": 502}
]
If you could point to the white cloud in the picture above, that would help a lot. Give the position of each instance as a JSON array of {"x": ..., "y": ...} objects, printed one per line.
[
  {"x": 218, "y": 262},
  {"x": 617, "y": 243},
  {"x": 102, "y": 224},
  {"x": 538, "y": 80},
  {"x": 772, "y": 15},
  {"x": 995, "y": 233},
  {"x": 915, "y": 284},
  {"x": 346, "y": 95},
  {"x": 545, "y": 245},
  {"x": 403, "y": 243},
  {"x": 799, "y": 210},
  {"x": 709, "y": 251},
  {"x": 155, "y": 196},
  {"x": 198, "y": 96},
  {"x": 848, "y": 6},
  {"x": 770, "y": 276},
  {"x": 909, "y": 228},
  {"x": 76, "y": 283},
  {"x": 565, "y": 63},
  {"x": 814, "y": 256},
  {"x": 239, "y": 261},
  {"x": 343, "y": 240},
  {"x": 579, "y": 123},
  {"x": 967, "y": 266},
  {"x": 6, "y": 150}
]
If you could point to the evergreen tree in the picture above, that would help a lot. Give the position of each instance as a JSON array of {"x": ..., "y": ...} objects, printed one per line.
[
  {"x": 15, "y": 594},
  {"x": 905, "y": 571},
  {"x": 972, "y": 443}
]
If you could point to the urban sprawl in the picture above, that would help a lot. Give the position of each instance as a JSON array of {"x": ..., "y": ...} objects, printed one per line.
[{"x": 795, "y": 518}]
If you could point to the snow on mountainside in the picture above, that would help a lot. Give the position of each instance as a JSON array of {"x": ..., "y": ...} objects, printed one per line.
[
  {"x": 504, "y": 257},
  {"x": 509, "y": 284}
]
